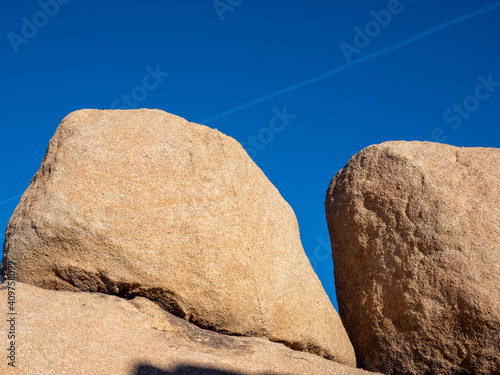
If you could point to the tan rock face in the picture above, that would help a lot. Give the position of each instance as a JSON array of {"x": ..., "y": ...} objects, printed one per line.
[
  {"x": 71, "y": 333},
  {"x": 144, "y": 203},
  {"x": 415, "y": 230}
]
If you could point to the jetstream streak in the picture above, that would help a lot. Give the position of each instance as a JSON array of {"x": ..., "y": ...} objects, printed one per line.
[{"x": 340, "y": 68}]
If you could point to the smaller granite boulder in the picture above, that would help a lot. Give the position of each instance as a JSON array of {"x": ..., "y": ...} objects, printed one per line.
[{"x": 415, "y": 232}]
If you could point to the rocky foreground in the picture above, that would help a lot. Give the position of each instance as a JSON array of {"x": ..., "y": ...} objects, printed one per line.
[
  {"x": 146, "y": 244},
  {"x": 91, "y": 333}
]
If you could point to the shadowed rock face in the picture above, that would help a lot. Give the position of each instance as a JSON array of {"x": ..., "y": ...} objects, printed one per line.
[
  {"x": 415, "y": 232},
  {"x": 60, "y": 332},
  {"x": 144, "y": 203}
]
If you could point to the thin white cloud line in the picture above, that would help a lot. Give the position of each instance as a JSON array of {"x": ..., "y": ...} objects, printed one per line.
[
  {"x": 381, "y": 52},
  {"x": 10, "y": 199},
  {"x": 340, "y": 68}
]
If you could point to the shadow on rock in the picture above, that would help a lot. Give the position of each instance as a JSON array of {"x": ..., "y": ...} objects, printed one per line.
[{"x": 181, "y": 370}]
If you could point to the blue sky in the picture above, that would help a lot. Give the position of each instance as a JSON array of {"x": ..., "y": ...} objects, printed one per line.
[{"x": 440, "y": 81}]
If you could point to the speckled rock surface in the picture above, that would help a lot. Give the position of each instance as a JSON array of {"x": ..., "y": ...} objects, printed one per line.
[
  {"x": 415, "y": 231},
  {"x": 75, "y": 333},
  {"x": 145, "y": 203}
]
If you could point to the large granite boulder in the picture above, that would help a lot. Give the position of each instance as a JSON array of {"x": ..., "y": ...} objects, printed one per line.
[
  {"x": 415, "y": 232},
  {"x": 144, "y": 203},
  {"x": 60, "y": 332}
]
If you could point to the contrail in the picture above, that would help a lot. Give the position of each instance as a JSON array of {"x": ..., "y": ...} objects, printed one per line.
[
  {"x": 10, "y": 199},
  {"x": 371, "y": 56},
  {"x": 340, "y": 68}
]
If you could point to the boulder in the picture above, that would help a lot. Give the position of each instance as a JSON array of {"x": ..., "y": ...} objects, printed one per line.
[
  {"x": 79, "y": 333},
  {"x": 415, "y": 233},
  {"x": 144, "y": 203}
]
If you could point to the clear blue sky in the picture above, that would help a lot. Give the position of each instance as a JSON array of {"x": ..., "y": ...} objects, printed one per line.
[{"x": 442, "y": 85}]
